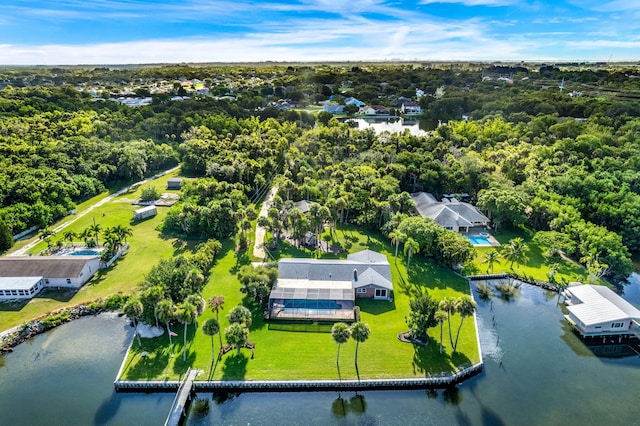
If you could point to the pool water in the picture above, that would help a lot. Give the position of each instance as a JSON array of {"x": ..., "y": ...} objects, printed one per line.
[
  {"x": 479, "y": 240},
  {"x": 84, "y": 253}
]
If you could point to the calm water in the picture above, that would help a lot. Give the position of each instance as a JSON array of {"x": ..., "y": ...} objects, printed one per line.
[
  {"x": 65, "y": 377},
  {"x": 416, "y": 127},
  {"x": 537, "y": 373}
]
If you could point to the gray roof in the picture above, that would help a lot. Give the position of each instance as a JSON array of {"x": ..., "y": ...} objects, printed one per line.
[
  {"x": 600, "y": 304},
  {"x": 303, "y": 205},
  {"x": 307, "y": 274},
  {"x": 43, "y": 266},
  {"x": 451, "y": 213}
]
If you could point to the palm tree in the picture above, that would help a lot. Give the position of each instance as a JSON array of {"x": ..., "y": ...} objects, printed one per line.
[
  {"x": 360, "y": 332},
  {"x": 465, "y": 306},
  {"x": 341, "y": 334},
  {"x": 155, "y": 294},
  {"x": 491, "y": 257},
  {"x": 185, "y": 314},
  {"x": 69, "y": 235},
  {"x": 210, "y": 328},
  {"x": 95, "y": 230},
  {"x": 236, "y": 335},
  {"x": 217, "y": 304},
  {"x": 396, "y": 239},
  {"x": 133, "y": 309},
  {"x": 447, "y": 305},
  {"x": 240, "y": 315},
  {"x": 411, "y": 247},
  {"x": 198, "y": 302},
  {"x": 85, "y": 235},
  {"x": 45, "y": 235},
  {"x": 166, "y": 311},
  {"x": 123, "y": 232},
  {"x": 515, "y": 251},
  {"x": 440, "y": 316}
]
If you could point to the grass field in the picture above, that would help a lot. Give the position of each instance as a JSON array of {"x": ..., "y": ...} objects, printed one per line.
[
  {"x": 307, "y": 351},
  {"x": 147, "y": 246}
]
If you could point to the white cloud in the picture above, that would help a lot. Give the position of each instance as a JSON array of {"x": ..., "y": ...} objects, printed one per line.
[{"x": 492, "y": 3}]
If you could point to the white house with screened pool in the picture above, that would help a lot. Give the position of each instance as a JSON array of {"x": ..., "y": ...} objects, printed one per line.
[{"x": 326, "y": 289}]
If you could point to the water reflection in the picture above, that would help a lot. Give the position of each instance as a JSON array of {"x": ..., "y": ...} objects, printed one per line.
[{"x": 415, "y": 126}]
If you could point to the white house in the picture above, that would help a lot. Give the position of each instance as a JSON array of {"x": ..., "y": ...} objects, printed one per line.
[
  {"x": 145, "y": 212},
  {"x": 597, "y": 311},
  {"x": 25, "y": 276},
  {"x": 375, "y": 110},
  {"x": 410, "y": 108},
  {"x": 449, "y": 213},
  {"x": 327, "y": 288}
]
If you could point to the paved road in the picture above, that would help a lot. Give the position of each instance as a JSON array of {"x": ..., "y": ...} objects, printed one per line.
[
  {"x": 22, "y": 251},
  {"x": 258, "y": 246}
]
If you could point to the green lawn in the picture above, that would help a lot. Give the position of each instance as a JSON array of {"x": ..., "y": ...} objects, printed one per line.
[
  {"x": 307, "y": 351},
  {"x": 147, "y": 246},
  {"x": 537, "y": 265}
]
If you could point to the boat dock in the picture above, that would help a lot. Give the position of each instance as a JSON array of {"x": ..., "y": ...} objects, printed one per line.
[{"x": 178, "y": 410}]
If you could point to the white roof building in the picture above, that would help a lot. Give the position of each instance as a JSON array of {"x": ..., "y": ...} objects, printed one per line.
[
  {"x": 598, "y": 311},
  {"x": 449, "y": 213}
]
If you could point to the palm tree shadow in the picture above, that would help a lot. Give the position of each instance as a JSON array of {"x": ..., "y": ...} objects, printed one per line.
[{"x": 235, "y": 367}]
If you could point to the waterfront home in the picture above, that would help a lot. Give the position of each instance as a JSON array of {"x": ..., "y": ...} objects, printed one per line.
[
  {"x": 449, "y": 213},
  {"x": 334, "y": 109},
  {"x": 145, "y": 212},
  {"x": 410, "y": 108},
  {"x": 326, "y": 289},
  {"x": 22, "y": 277},
  {"x": 375, "y": 110},
  {"x": 597, "y": 311}
]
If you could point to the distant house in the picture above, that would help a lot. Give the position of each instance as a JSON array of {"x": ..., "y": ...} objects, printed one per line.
[
  {"x": 327, "y": 288},
  {"x": 174, "y": 183},
  {"x": 375, "y": 110},
  {"x": 303, "y": 205},
  {"x": 354, "y": 101},
  {"x": 410, "y": 108},
  {"x": 145, "y": 212},
  {"x": 22, "y": 277},
  {"x": 334, "y": 109},
  {"x": 449, "y": 213},
  {"x": 596, "y": 311}
]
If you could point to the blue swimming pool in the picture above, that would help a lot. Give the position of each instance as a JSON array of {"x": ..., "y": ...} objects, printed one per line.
[
  {"x": 84, "y": 253},
  {"x": 479, "y": 240}
]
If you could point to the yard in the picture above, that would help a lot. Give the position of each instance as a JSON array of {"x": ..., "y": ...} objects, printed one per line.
[{"x": 307, "y": 351}]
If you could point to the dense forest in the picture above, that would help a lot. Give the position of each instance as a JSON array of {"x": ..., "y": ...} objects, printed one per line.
[{"x": 552, "y": 148}]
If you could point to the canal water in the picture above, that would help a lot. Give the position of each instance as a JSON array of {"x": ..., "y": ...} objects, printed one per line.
[{"x": 537, "y": 372}]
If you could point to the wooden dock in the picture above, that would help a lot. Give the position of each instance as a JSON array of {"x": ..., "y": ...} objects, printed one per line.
[{"x": 178, "y": 412}]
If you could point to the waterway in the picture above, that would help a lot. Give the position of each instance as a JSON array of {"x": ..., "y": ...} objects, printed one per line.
[
  {"x": 537, "y": 372},
  {"x": 415, "y": 126}
]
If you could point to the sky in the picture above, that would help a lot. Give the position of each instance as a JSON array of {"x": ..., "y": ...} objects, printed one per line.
[{"x": 73, "y": 32}]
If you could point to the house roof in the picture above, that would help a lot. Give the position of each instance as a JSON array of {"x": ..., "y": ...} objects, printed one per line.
[
  {"x": 303, "y": 205},
  {"x": 600, "y": 304},
  {"x": 18, "y": 283},
  {"x": 450, "y": 213},
  {"x": 43, "y": 266},
  {"x": 333, "y": 274}
]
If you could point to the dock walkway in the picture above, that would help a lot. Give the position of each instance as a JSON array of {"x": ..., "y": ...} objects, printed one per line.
[{"x": 182, "y": 397}]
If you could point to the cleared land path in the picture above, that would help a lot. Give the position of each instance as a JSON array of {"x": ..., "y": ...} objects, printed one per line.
[
  {"x": 22, "y": 251},
  {"x": 258, "y": 246}
]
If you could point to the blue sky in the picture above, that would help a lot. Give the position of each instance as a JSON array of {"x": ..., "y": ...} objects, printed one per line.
[{"x": 69, "y": 32}]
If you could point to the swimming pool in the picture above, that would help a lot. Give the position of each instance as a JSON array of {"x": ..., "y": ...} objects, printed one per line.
[
  {"x": 84, "y": 253},
  {"x": 479, "y": 240}
]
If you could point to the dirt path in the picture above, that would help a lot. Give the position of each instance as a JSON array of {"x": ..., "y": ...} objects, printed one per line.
[
  {"x": 22, "y": 251},
  {"x": 258, "y": 247}
]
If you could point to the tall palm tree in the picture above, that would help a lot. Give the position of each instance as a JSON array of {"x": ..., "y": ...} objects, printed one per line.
[
  {"x": 411, "y": 247},
  {"x": 155, "y": 294},
  {"x": 185, "y": 314},
  {"x": 341, "y": 334},
  {"x": 123, "y": 232},
  {"x": 515, "y": 251},
  {"x": 360, "y": 332},
  {"x": 396, "y": 239},
  {"x": 95, "y": 231},
  {"x": 85, "y": 235},
  {"x": 69, "y": 235},
  {"x": 491, "y": 257},
  {"x": 465, "y": 306},
  {"x": 166, "y": 312},
  {"x": 133, "y": 309},
  {"x": 217, "y": 304},
  {"x": 440, "y": 316},
  {"x": 447, "y": 305},
  {"x": 210, "y": 328},
  {"x": 45, "y": 235}
]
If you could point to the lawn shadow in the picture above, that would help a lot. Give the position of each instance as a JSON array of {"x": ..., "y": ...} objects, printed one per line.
[
  {"x": 427, "y": 359},
  {"x": 234, "y": 366},
  {"x": 13, "y": 305},
  {"x": 61, "y": 295},
  {"x": 376, "y": 307},
  {"x": 147, "y": 367}
]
